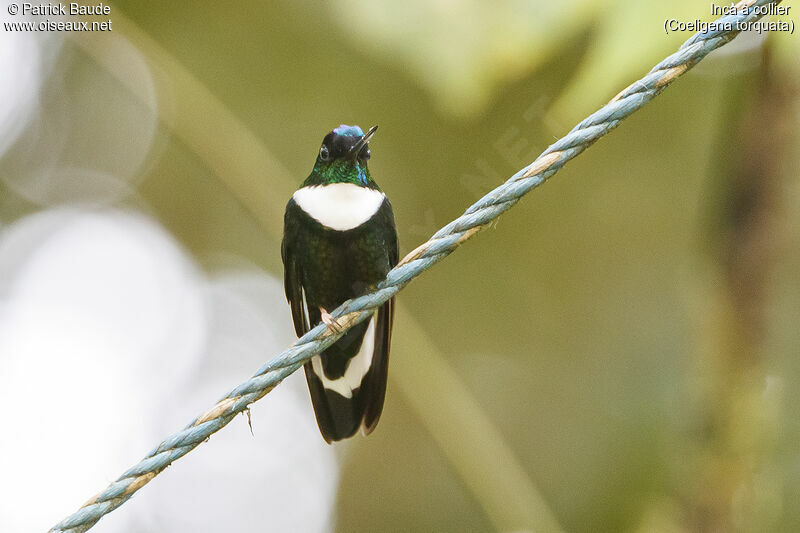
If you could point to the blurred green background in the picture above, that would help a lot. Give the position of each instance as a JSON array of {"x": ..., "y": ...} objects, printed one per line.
[{"x": 620, "y": 351}]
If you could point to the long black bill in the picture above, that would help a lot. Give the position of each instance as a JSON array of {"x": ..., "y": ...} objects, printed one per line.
[{"x": 356, "y": 149}]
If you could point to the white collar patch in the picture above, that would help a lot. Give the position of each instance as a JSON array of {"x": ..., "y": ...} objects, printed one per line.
[{"x": 339, "y": 206}]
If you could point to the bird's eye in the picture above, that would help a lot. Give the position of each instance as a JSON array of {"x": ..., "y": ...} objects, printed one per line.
[
  {"x": 324, "y": 154},
  {"x": 365, "y": 154}
]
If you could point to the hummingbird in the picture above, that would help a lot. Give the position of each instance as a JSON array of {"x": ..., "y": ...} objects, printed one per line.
[{"x": 339, "y": 241}]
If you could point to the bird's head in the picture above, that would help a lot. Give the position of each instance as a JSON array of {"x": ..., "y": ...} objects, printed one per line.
[{"x": 343, "y": 156}]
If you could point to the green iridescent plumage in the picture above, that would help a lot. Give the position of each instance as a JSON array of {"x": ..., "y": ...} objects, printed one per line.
[{"x": 340, "y": 171}]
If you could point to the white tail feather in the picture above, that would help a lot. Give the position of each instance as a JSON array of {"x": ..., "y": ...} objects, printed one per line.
[{"x": 357, "y": 367}]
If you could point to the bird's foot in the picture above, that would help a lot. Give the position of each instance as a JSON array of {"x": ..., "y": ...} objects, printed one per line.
[{"x": 329, "y": 321}]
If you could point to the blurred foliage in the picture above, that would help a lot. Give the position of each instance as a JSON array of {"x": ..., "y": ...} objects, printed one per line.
[
  {"x": 590, "y": 325},
  {"x": 461, "y": 51},
  {"x": 621, "y": 50}
]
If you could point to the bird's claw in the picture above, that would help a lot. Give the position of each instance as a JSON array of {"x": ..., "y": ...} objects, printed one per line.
[{"x": 329, "y": 321}]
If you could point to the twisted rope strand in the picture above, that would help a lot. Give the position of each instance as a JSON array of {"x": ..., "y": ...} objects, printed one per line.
[{"x": 440, "y": 245}]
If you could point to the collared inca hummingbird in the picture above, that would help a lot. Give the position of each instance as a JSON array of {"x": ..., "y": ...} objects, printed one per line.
[{"x": 339, "y": 241}]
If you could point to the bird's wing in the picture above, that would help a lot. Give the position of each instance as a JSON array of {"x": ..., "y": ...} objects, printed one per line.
[
  {"x": 373, "y": 387},
  {"x": 293, "y": 277}
]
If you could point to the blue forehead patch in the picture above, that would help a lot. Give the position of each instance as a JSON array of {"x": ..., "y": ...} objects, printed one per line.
[{"x": 349, "y": 131}]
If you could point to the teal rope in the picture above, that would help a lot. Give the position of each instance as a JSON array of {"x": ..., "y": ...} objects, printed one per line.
[{"x": 440, "y": 245}]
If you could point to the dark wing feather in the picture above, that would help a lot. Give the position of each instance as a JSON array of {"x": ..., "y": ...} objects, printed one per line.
[
  {"x": 373, "y": 388},
  {"x": 292, "y": 280}
]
